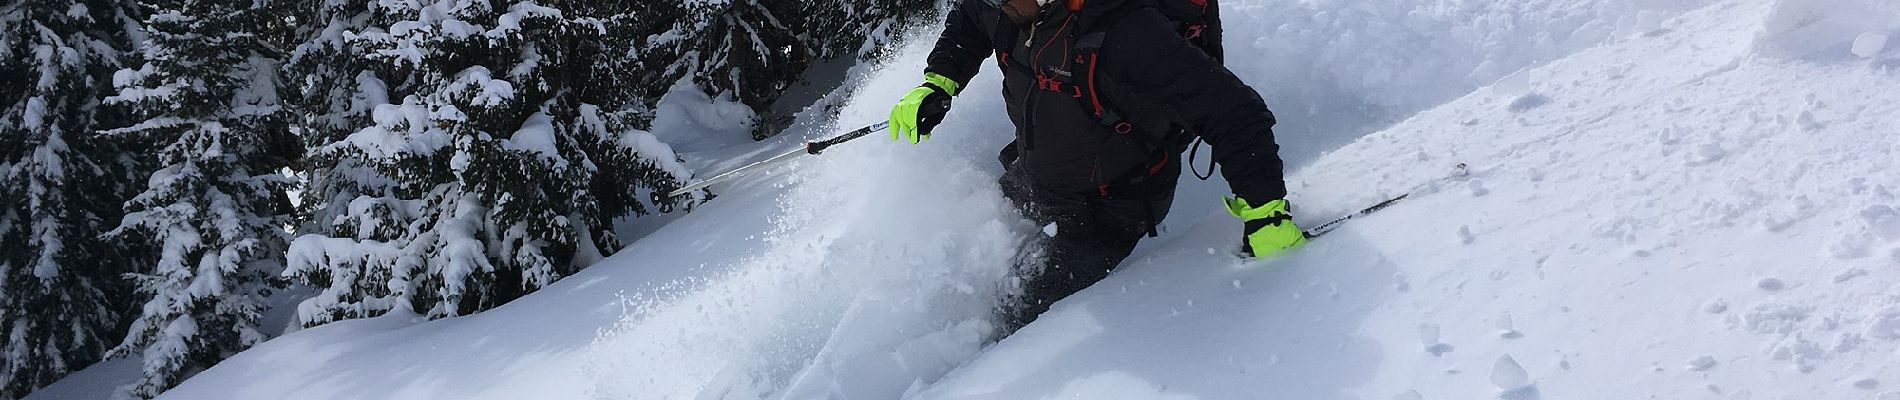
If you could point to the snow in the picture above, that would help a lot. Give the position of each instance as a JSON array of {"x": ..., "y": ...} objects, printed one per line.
[
  {"x": 1508, "y": 375},
  {"x": 78, "y": 11},
  {"x": 85, "y": 384},
  {"x": 1684, "y": 154},
  {"x": 651, "y": 148},
  {"x": 310, "y": 253},
  {"x": 1870, "y": 44},
  {"x": 690, "y": 120},
  {"x": 1825, "y": 28},
  {"x": 1336, "y": 70},
  {"x": 457, "y": 251},
  {"x": 481, "y": 88},
  {"x": 535, "y": 136},
  {"x": 711, "y": 133},
  {"x": 33, "y": 117},
  {"x": 370, "y": 92},
  {"x": 258, "y": 96},
  {"x": 510, "y": 22},
  {"x": 401, "y": 130},
  {"x": 1114, "y": 385},
  {"x": 593, "y": 121}
]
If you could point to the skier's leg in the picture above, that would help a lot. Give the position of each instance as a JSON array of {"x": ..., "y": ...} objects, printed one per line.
[
  {"x": 1019, "y": 190},
  {"x": 1092, "y": 238}
]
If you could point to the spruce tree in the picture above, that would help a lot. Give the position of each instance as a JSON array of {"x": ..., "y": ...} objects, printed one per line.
[
  {"x": 458, "y": 157},
  {"x": 751, "y": 50},
  {"x": 206, "y": 91},
  {"x": 61, "y": 185}
]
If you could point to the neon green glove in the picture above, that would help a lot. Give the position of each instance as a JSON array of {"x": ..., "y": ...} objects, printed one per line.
[
  {"x": 1269, "y": 230},
  {"x": 922, "y": 109}
]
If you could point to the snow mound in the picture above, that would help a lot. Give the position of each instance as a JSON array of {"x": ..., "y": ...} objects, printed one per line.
[
  {"x": 691, "y": 121},
  {"x": 1829, "y": 29}
]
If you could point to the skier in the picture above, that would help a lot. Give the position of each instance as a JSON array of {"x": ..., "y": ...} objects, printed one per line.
[{"x": 1104, "y": 95}]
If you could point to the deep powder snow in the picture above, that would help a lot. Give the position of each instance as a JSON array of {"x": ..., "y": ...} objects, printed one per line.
[{"x": 1679, "y": 199}]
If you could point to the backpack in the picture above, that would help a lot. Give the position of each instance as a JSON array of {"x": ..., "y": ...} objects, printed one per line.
[{"x": 1198, "y": 21}]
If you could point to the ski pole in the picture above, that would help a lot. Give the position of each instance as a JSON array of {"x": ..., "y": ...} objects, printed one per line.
[
  {"x": 1329, "y": 226},
  {"x": 810, "y": 148},
  {"x": 1458, "y": 172}
]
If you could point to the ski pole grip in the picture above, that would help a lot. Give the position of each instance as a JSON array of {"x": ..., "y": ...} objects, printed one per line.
[{"x": 814, "y": 148}]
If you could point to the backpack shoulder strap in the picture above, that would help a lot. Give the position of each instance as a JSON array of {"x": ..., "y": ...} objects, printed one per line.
[
  {"x": 1085, "y": 74},
  {"x": 1091, "y": 32}
]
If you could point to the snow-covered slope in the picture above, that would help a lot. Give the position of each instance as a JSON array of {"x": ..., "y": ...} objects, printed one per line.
[
  {"x": 1677, "y": 216},
  {"x": 1702, "y": 207}
]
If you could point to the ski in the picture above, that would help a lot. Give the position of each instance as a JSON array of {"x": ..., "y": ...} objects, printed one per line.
[{"x": 1458, "y": 172}]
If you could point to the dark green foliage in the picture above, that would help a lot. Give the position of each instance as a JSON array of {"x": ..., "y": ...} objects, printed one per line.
[
  {"x": 61, "y": 184},
  {"x": 753, "y": 51},
  {"x": 205, "y": 92},
  {"x": 461, "y": 156},
  {"x": 448, "y": 157}
]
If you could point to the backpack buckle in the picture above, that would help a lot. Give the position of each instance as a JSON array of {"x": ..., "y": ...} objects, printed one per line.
[{"x": 1047, "y": 83}]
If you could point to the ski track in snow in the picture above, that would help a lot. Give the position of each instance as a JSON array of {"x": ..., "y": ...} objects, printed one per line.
[{"x": 1704, "y": 208}]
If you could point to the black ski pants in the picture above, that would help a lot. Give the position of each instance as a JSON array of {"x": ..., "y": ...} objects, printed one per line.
[{"x": 1092, "y": 236}]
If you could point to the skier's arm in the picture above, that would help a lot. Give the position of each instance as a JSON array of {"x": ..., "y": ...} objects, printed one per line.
[
  {"x": 965, "y": 42},
  {"x": 1211, "y": 34},
  {"x": 1147, "y": 57},
  {"x": 959, "y": 52}
]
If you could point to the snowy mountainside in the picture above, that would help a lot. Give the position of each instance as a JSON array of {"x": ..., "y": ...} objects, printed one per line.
[
  {"x": 1702, "y": 207},
  {"x": 1678, "y": 216},
  {"x": 1336, "y": 70}
]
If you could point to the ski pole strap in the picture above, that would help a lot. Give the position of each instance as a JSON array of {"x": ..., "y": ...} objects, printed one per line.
[
  {"x": 1194, "y": 152},
  {"x": 1273, "y": 211},
  {"x": 944, "y": 83}
]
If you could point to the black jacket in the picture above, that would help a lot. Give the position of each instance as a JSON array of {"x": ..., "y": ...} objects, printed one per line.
[{"x": 1150, "y": 74}]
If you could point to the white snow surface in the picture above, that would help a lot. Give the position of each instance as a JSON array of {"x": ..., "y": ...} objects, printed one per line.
[{"x": 1701, "y": 206}]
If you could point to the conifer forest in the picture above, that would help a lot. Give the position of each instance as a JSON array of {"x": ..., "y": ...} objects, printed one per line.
[{"x": 174, "y": 171}]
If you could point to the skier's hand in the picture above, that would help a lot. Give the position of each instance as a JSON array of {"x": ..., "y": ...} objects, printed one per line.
[
  {"x": 922, "y": 109},
  {"x": 1269, "y": 231}
]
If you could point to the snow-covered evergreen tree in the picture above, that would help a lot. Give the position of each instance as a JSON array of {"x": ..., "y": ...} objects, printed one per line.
[
  {"x": 753, "y": 50},
  {"x": 862, "y": 28},
  {"x": 61, "y": 291},
  {"x": 206, "y": 91},
  {"x": 458, "y": 155}
]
